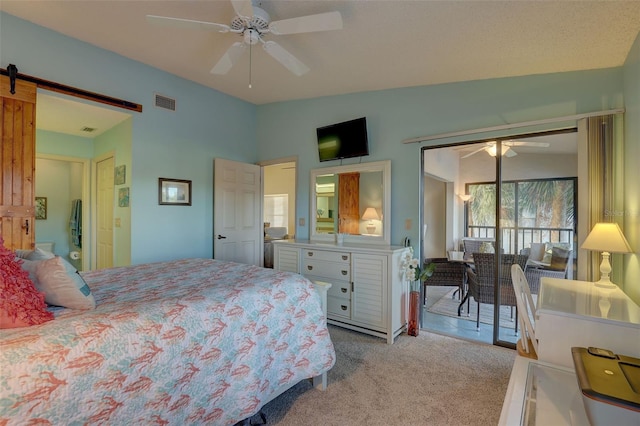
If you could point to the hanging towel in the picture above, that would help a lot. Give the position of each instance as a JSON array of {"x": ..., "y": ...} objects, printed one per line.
[{"x": 75, "y": 223}]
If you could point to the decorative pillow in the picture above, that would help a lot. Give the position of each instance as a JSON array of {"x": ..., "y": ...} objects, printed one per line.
[
  {"x": 487, "y": 247},
  {"x": 559, "y": 259},
  {"x": 30, "y": 267},
  {"x": 549, "y": 249},
  {"x": 21, "y": 304},
  {"x": 39, "y": 254},
  {"x": 62, "y": 285},
  {"x": 22, "y": 254}
]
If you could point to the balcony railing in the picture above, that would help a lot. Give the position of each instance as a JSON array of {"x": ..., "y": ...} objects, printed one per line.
[{"x": 515, "y": 239}]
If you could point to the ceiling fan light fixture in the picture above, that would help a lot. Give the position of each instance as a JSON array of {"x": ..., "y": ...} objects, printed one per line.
[
  {"x": 492, "y": 150},
  {"x": 251, "y": 37}
]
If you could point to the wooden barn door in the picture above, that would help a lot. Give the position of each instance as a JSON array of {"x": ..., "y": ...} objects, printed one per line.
[
  {"x": 17, "y": 157},
  {"x": 349, "y": 203}
]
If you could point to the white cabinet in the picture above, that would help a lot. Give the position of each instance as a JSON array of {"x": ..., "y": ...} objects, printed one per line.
[
  {"x": 579, "y": 313},
  {"x": 368, "y": 292}
]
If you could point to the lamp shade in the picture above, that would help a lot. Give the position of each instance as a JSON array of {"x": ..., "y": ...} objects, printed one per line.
[
  {"x": 607, "y": 237},
  {"x": 370, "y": 214},
  {"x": 464, "y": 197}
]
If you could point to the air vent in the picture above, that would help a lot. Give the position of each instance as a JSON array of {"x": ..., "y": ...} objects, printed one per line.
[
  {"x": 88, "y": 129},
  {"x": 165, "y": 102}
]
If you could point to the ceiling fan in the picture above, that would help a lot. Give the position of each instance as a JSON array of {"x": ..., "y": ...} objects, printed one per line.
[
  {"x": 507, "y": 148},
  {"x": 253, "y": 23}
]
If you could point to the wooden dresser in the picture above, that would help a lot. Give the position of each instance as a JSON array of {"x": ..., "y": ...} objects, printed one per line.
[{"x": 368, "y": 292}]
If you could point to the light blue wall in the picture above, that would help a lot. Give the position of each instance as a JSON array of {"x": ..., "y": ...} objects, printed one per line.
[
  {"x": 209, "y": 124},
  {"x": 65, "y": 145},
  {"x": 181, "y": 144},
  {"x": 60, "y": 182},
  {"x": 54, "y": 180},
  {"x": 288, "y": 128},
  {"x": 632, "y": 171}
]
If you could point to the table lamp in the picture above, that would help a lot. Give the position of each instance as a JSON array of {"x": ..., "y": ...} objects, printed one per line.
[
  {"x": 607, "y": 238},
  {"x": 370, "y": 214}
]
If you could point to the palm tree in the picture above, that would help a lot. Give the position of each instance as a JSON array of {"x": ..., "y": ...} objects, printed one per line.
[{"x": 550, "y": 200}]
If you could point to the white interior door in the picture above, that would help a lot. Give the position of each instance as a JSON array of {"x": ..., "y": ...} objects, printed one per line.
[
  {"x": 237, "y": 217},
  {"x": 104, "y": 213}
]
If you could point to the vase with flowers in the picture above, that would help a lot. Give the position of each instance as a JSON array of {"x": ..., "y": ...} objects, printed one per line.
[{"x": 415, "y": 273}]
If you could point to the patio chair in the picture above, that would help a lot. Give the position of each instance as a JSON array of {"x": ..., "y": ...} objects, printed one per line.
[
  {"x": 527, "y": 344},
  {"x": 473, "y": 245},
  {"x": 557, "y": 268},
  {"x": 446, "y": 274},
  {"x": 481, "y": 280}
]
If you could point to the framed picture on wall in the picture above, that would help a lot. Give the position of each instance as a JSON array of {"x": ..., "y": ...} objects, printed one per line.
[
  {"x": 41, "y": 208},
  {"x": 174, "y": 192},
  {"x": 120, "y": 175},
  {"x": 123, "y": 197}
]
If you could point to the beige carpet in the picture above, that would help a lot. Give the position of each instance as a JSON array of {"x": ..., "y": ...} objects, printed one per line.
[
  {"x": 449, "y": 307},
  {"x": 425, "y": 380}
]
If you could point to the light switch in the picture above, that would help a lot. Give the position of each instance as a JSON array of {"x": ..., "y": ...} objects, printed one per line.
[
  {"x": 301, "y": 221},
  {"x": 407, "y": 224},
  {"x": 117, "y": 222}
]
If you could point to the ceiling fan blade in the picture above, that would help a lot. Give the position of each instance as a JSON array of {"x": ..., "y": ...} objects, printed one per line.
[
  {"x": 473, "y": 152},
  {"x": 229, "y": 58},
  {"x": 243, "y": 8},
  {"x": 289, "y": 61},
  {"x": 305, "y": 24},
  {"x": 187, "y": 24}
]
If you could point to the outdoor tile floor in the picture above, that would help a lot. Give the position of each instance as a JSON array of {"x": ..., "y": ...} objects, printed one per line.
[{"x": 460, "y": 328}]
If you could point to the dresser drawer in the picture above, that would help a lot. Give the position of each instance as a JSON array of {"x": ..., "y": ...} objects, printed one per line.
[
  {"x": 338, "y": 307},
  {"x": 329, "y": 256},
  {"x": 330, "y": 270},
  {"x": 340, "y": 290}
]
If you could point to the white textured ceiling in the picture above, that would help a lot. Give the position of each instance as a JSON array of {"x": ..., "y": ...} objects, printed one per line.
[
  {"x": 61, "y": 115},
  {"x": 384, "y": 44}
]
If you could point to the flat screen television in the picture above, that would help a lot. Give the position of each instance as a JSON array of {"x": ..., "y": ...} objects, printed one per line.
[{"x": 343, "y": 140}]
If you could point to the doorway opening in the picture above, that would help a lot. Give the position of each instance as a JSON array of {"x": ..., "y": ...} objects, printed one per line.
[
  {"x": 456, "y": 211},
  {"x": 279, "y": 203},
  {"x": 76, "y": 132}
]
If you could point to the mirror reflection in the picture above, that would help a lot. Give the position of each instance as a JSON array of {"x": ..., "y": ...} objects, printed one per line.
[
  {"x": 349, "y": 203},
  {"x": 353, "y": 200}
]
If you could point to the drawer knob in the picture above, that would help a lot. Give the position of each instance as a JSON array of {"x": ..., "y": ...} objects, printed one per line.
[
  {"x": 309, "y": 253},
  {"x": 345, "y": 257},
  {"x": 343, "y": 307},
  {"x": 344, "y": 290},
  {"x": 344, "y": 272},
  {"x": 309, "y": 267}
]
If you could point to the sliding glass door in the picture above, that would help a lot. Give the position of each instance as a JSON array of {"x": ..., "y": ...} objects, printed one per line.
[{"x": 505, "y": 201}]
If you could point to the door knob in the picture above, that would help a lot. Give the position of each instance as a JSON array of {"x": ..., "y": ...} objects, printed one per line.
[{"x": 221, "y": 237}]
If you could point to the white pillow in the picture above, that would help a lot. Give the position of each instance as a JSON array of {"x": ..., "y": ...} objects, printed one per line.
[
  {"x": 62, "y": 285},
  {"x": 22, "y": 254},
  {"x": 39, "y": 254}
]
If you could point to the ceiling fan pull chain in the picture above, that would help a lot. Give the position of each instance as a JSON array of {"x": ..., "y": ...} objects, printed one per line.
[{"x": 250, "y": 65}]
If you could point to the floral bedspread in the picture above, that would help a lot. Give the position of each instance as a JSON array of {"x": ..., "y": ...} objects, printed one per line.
[{"x": 194, "y": 341}]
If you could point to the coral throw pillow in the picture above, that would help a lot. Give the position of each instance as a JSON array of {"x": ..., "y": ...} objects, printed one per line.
[{"x": 21, "y": 304}]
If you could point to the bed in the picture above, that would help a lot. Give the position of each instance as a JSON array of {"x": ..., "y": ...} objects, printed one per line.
[{"x": 192, "y": 341}]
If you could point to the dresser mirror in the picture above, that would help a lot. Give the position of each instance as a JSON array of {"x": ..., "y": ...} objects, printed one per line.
[{"x": 352, "y": 200}]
